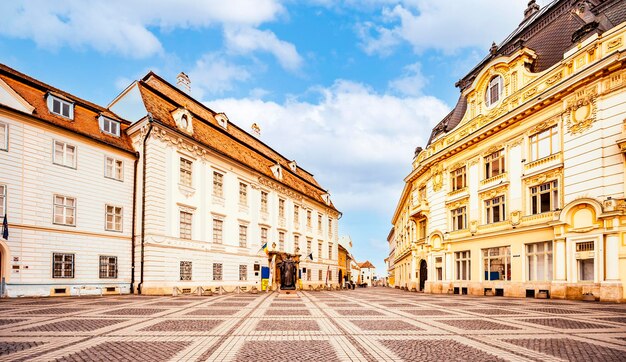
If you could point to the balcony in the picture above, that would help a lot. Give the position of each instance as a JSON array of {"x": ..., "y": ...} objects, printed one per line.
[
  {"x": 419, "y": 207},
  {"x": 544, "y": 163},
  {"x": 494, "y": 180}
]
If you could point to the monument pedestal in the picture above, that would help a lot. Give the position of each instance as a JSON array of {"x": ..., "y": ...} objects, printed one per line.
[{"x": 287, "y": 294}]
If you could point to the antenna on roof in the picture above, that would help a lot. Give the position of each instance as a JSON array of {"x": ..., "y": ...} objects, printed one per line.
[{"x": 183, "y": 82}]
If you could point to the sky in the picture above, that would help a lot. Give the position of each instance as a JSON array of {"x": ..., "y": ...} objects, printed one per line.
[{"x": 347, "y": 88}]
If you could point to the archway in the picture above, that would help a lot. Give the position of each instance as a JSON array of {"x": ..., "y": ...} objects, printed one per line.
[
  {"x": 340, "y": 277},
  {"x": 423, "y": 274}
]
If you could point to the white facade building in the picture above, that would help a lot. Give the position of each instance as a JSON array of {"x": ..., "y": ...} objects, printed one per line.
[
  {"x": 213, "y": 195},
  {"x": 368, "y": 272},
  {"x": 66, "y": 187}
]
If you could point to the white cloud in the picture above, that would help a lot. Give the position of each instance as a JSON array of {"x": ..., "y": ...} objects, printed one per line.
[
  {"x": 245, "y": 40},
  {"x": 411, "y": 82},
  {"x": 445, "y": 25},
  {"x": 357, "y": 142},
  {"x": 123, "y": 27},
  {"x": 213, "y": 74}
]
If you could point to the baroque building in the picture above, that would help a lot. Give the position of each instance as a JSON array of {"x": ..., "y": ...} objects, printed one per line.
[
  {"x": 520, "y": 190},
  {"x": 210, "y": 196}
]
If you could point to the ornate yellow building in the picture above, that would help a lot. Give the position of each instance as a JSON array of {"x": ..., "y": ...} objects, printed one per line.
[{"x": 520, "y": 190}]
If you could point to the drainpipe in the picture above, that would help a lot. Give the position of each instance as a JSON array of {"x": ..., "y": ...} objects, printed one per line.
[
  {"x": 143, "y": 202},
  {"x": 133, "y": 233}
]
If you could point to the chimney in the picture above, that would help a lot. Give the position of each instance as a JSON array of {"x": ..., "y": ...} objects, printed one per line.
[{"x": 183, "y": 83}]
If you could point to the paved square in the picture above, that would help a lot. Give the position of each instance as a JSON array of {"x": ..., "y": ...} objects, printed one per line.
[{"x": 372, "y": 324}]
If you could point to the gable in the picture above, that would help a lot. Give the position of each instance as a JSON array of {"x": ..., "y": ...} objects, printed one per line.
[{"x": 10, "y": 98}]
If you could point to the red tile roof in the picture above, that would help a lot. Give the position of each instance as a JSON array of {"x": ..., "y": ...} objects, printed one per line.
[
  {"x": 366, "y": 264},
  {"x": 161, "y": 98},
  {"x": 86, "y": 114}
]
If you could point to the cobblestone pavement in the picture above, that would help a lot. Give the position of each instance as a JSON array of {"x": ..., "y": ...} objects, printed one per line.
[{"x": 374, "y": 324}]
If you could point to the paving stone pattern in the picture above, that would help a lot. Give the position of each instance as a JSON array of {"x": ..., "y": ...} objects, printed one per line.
[{"x": 370, "y": 324}]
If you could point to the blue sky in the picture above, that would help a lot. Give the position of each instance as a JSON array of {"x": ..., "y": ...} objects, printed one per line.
[{"x": 346, "y": 88}]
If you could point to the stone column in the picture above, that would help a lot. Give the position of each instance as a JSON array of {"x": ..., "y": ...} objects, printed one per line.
[
  {"x": 559, "y": 287},
  {"x": 448, "y": 268}
]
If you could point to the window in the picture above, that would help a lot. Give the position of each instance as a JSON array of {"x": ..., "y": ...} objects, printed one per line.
[
  {"x": 458, "y": 179},
  {"x": 218, "y": 184},
  {"x": 61, "y": 107},
  {"x": 330, "y": 250},
  {"x": 113, "y": 218},
  {"x": 243, "y": 236},
  {"x": 459, "y": 218},
  {"x": 113, "y": 168},
  {"x": 494, "y": 164},
  {"x": 308, "y": 275},
  {"x": 422, "y": 229},
  {"x": 185, "y": 225},
  {"x": 264, "y": 201},
  {"x": 217, "y": 230},
  {"x": 185, "y": 172},
  {"x": 108, "y": 267},
  {"x": 64, "y": 210},
  {"x": 3, "y": 200},
  {"x": 281, "y": 208},
  {"x": 544, "y": 197},
  {"x": 243, "y": 194},
  {"x": 243, "y": 272},
  {"x": 309, "y": 243},
  {"x": 110, "y": 126},
  {"x": 4, "y": 136},
  {"x": 539, "y": 257},
  {"x": 296, "y": 215},
  {"x": 263, "y": 236},
  {"x": 494, "y": 91},
  {"x": 330, "y": 228},
  {"x": 495, "y": 209},
  {"x": 497, "y": 263},
  {"x": 439, "y": 268},
  {"x": 463, "y": 265},
  {"x": 64, "y": 154},
  {"x": 217, "y": 271},
  {"x": 62, "y": 265},
  {"x": 586, "y": 266},
  {"x": 296, "y": 243},
  {"x": 330, "y": 275},
  {"x": 319, "y": 249},
  {"x": 308, "y": 219},
  {"x": 319, "y": 222},
  {"x": 185, "y": 270},
  {"x": 319, "y": 275},
  {"x": 281, "y": 241},
  {"x": 544, "y": 143}
]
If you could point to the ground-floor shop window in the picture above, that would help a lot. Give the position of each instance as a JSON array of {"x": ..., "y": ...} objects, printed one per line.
[
  {"x": 463, "y": 265},
  {"x": 497, "y": 263},
  {"x": 539, "y": 260}
]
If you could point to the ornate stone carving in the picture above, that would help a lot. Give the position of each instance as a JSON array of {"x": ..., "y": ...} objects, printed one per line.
[
  {"x": 555, "y": 78},
  {"x": 436, "y": 175},
  {"x": 176, "y": 141},
  {"x": 544, "y": 125},
  {"x": 615, "y": 43},
  {"x": 490, "y": 194},
  {"x": 515, "y": 142},
  {"x": 458, "y": 203},
  {"x": 279, "y": 188},
  {"x": 580, "y": 112},
  {"x": 541, "y": 178},
  {"x": 529, "y": 93},
  {"x": 473, "y": 226},
  {"x": 492, "y": 149},
  {"x": 516, "y": 217}
]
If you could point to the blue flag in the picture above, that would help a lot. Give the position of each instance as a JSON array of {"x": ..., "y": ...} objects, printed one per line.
[{"x": 5, "y": 228}]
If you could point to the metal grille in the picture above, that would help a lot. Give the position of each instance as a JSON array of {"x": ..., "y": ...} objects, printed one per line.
[
  {"x": 108, "y": 267},
  {"x": 217, "y": 271},
  {"x": 185, "y": 270}
]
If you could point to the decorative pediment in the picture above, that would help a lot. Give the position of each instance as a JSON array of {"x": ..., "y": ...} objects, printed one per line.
[{"x": 183, "y": 119}]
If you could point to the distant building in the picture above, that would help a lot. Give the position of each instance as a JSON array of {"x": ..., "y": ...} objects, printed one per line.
[
  {"x": 368, "y": 273},
  {"x": 390, "y": 260},
  {"x": 520, "y": 191}
]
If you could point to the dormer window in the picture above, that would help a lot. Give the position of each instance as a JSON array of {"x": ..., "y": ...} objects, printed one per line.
[
  {"x": 277, "y": 170},
  {"x": 60, "y": 107},
  {"x": 293, "y": 166},
  {"x": 109, "y": 126},
  {"x": 183, "y": 119},
  {"x": 494, "y": 91},
  {"x": 222, "y": 120}
]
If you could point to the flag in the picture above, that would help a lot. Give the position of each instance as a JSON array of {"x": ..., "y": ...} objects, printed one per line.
[
  {"x": 264, "y": 248},
  {"x": 5, "y": 228},
  {"x": 310, "y": 256},
  {"x": 327, "y": 272}
]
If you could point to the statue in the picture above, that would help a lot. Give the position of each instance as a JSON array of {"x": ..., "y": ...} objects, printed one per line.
[{"x": 287, "y": 274}]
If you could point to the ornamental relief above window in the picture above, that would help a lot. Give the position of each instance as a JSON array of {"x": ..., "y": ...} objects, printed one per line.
[{"x": 580, "y": 111}]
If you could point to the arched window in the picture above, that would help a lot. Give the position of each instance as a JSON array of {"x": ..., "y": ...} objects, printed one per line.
[{"x": 494, "y": 91}]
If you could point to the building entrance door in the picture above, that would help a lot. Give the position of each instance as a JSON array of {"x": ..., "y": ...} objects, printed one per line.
[{"x": 423, "y": 274}]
